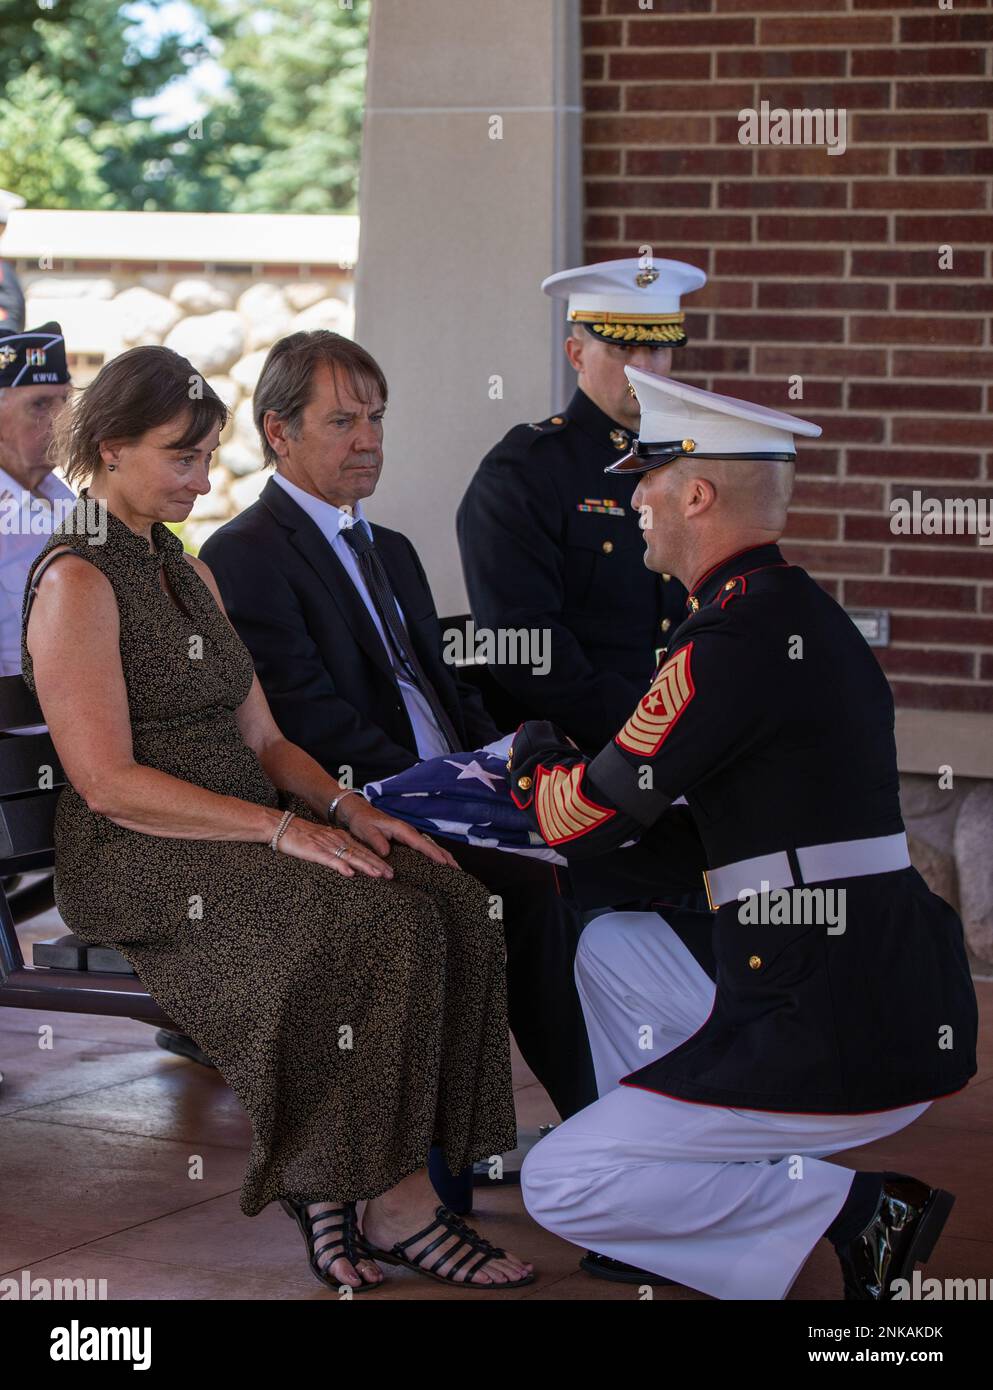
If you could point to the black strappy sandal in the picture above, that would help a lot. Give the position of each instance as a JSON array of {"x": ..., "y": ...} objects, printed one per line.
[
  {"x": 344, "y": 1221},
  {"x": 480, "y": 1250}
]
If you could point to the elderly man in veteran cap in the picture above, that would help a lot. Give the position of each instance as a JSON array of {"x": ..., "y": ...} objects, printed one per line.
[
  {"x": 547, "y": 542},
  {"x": 840, "y": 1004},
  {"x": 34, "y": 383}
]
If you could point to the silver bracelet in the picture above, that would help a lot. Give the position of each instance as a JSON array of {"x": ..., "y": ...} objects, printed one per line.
[
  {"x": 274, "y": 842},
  {"x": 332, "y": 805}
]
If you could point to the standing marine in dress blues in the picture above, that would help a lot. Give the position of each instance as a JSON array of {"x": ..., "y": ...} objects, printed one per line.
[
  {"x": 840, "y": 1005},
  {"x": 547, "y": 542}
]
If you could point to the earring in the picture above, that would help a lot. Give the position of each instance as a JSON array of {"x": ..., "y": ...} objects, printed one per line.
[{"x": 111, "y": 467}]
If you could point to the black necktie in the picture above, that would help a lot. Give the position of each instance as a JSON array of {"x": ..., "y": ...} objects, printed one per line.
[{"x": 380, "y": 589}]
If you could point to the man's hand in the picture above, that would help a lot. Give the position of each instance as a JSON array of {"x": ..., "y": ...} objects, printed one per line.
[{"x": 377, "y": 830}]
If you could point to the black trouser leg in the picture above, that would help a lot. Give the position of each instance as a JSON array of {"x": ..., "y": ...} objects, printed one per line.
[
  {"x": 454, "y": 1190},
  {"x": 541, "y": 931}
]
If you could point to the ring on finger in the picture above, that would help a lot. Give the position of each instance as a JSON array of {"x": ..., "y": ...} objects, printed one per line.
[{"x": 341, "y": 851}]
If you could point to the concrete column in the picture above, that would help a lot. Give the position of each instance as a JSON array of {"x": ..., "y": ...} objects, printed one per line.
[{"x": 470, "y": 195}]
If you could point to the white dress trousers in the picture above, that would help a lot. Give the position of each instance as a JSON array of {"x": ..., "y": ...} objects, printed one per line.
[{"x": 730, "y": 1202}]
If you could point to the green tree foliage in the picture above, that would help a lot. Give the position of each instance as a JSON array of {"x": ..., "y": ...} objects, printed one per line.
[
  {"x": 69, "y": 73},
  {"x": 48, "y": 161},
  {"x": 283, "y": 135},
  {"x": 292, "y": 118}
]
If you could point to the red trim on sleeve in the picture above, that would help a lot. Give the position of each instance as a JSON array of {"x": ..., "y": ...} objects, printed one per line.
[
  {"x": 661, "y": 708},
  {"x": 562, "y": 809}
]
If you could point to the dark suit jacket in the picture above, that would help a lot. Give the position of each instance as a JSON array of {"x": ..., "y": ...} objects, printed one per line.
[{"x": 318, "y": 655}]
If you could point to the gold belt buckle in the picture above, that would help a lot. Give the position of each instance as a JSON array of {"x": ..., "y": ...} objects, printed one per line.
[{"x": 710, "y": 897}]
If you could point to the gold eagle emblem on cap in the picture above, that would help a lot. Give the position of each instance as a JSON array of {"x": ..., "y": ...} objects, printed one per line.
[
  {"x": 7, "y": 355},
  {"x": 644, "y": 278}
]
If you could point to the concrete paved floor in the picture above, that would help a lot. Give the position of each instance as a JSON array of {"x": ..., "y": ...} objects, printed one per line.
[{"x": 97, "y": 1136}]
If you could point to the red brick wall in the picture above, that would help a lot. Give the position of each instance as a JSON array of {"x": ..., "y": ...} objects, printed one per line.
[{"x": 827, "y": 267}]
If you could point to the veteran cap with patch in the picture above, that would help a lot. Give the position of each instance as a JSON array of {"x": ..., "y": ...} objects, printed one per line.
[
  {"x": 633, "y": 302},
  {"x": 679, "y": 420},
  {"x": 33, "y": 357}
]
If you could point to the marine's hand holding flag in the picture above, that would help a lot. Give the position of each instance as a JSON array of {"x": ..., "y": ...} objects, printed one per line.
[{"x": 465, "y": 797}]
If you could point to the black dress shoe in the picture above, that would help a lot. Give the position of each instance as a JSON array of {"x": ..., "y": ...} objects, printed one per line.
[
  {"x": 603, "y": 1267},
  {"x": 183, "y": 1046},
  {"x": 908, "y": 1221}
]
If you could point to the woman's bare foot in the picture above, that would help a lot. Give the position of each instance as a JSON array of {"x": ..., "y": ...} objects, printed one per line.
[
  {"x": 326, "y": 1219},
  {"x": 410, "y": 1207}
]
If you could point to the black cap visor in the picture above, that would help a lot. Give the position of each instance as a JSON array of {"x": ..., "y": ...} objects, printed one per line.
[{"x": 644, "y": 457}]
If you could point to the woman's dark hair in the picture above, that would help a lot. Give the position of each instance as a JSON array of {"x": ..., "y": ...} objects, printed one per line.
[
  {"x": 286, "y": 381},
  {"x": 143, "y": 388}
]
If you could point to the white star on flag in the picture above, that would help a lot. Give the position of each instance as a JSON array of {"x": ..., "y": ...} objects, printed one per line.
[{"x": 475, "y": 771}]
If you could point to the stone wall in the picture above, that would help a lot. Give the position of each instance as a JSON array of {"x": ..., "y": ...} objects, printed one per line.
[
  {"x": 949, "y": 829},
  {"x": 218, "y": 288},
  {"x": 225, "y": 324}
]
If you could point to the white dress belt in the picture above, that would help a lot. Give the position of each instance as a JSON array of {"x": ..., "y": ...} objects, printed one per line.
[{"x": 880, "y": 854}]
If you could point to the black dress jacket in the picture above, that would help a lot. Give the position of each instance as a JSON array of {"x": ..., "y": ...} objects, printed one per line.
[
  {"x": 771, "y": 715},
  {"x": 549, "y": 543}
]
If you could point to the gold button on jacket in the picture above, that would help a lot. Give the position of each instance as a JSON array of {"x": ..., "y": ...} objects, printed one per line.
[{"x": 754, "y": 962}]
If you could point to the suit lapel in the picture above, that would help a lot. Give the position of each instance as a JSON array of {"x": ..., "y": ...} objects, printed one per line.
[{"x": 307, "y": 540}]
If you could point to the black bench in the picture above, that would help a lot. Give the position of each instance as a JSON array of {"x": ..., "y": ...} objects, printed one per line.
[{"x": 67, "y": 974}]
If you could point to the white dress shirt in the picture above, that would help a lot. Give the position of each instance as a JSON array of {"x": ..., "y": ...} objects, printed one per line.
[
  {"x": 332, "y": 522},
  {"x": 26, "y": 522}
]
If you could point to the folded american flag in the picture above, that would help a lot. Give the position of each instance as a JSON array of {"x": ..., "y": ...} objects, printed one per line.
[{"x": 464, "y": 796}]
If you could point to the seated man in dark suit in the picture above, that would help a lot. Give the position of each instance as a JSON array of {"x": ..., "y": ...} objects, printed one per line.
[{"x": 343, "y": 631}]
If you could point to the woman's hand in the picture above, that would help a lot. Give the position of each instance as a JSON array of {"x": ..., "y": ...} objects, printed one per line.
[
  {"x": 321, "y": 844},
  {"x": 376, "y": 829}
]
